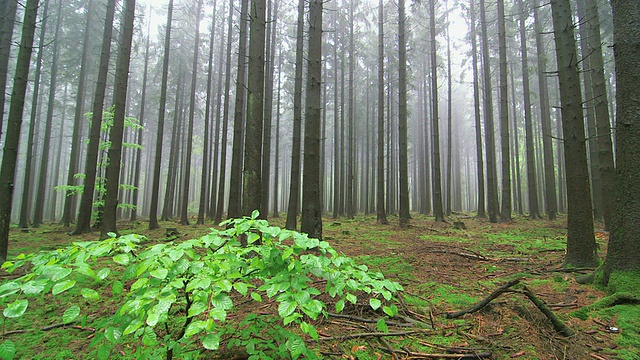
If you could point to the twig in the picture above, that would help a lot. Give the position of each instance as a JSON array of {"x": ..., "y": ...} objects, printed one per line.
[
  {"x": 557, "y": 323},
  {"x": 58, "y": 325},
  {"x": 484, "y": 302},
  {"x": 597, "y": 357},
  {"x": 372, "y": 321},
  {"x": 14, "y": 332},
  {"x": 370, "y": 334},
  {"x": 418, "y": 355}
]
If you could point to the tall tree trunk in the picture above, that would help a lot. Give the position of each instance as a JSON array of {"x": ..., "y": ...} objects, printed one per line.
[
  {"x": 46, "y": 145},
  {"x": 449, "y": 179},
  {"x": 581, "y": 244},
  {"x": 438, "y": 210},
  {"x": 605, "y": 146},
  {"x": 252, "y": 177},
  {"x": 14, "y": 123},
  {"x": 336, "y": 123},
  {"x": 294, "y": 186},
  {"x": 624, "y": 247},
  {"x": 505, "y": 213},
  {"x": 276, "y": 185},
  {"x": 311, "y": 222},
  {"x": 402, "y": 121},
  {"x": 381, "y": 214},
  {"x": 350, "y": 174},
  {"x": 476, "y": 106},
  {"x": 270, "y": 56},
  {"x": 167, "y": 208},
  {"x": 8, "y": 11},
  {"x": 489, "y": 130},
  {"x": 225, "y": 123},
  {"x": 116, "y": 133},
  {"x": 83, "y": 225},
  {"x": 78, "y": 117},
  {"x": 543, "y": 91},
  {"x": 155, "y": 191},
  {"x": 532, "y": 187},
  {"x": 184, "y": 211},
  {"x": 35, "y": 103},
  {"x": 143, "y": 101},
  {"x": 235, "y": 185}
]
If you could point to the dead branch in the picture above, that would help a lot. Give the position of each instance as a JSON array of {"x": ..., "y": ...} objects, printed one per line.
[
  {"x": 420, "y": 355},
  {"x": 369, "y": 334},
  {"x": 558, "y": 325},
  {"x": 484, "y": 302},
  {"x": 371, "y": 321}
]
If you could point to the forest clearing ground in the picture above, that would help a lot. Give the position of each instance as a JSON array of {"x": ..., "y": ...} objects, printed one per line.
[{"x": 442, "y": 269}]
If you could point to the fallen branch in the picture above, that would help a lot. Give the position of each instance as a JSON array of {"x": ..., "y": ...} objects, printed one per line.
[
  {"x": 418, "y": 355},
  {"x": 58, "y": 325},
  {"x": 484, "y": 302},
  {"x": 370, "y": 334},
  {"x": 370, "y": 321},
  {"x": 558, "y": 325}
]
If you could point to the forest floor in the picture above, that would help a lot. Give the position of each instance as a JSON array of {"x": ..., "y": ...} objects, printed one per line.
[{"x": 442, "y": 269}]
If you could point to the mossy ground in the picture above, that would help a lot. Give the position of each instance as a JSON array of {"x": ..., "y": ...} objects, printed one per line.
[{"x": 441, "y": 268}]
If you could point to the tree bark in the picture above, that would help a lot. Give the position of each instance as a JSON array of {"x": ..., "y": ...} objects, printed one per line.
[
  {"x": 311, "y": 222},
  {"x": 505, "y": 213},
  {"x": 380, "y": 209},
  {"x": 117, "y": 130},
  {"x": 8, "y": 11},
  {"x": 402, "y": 120},
  {"x": 155, "y": 191},
  {"x": 581, "y": 244},
  {"x": 624, "y": 247},
  {"x": 252, "y": 177},
  {"x": 14, "y": 123},
  {"x": 294, "y": 186},
  {"x": 83, "y": 225},
  {"x": 435, "y": 132},
  {"x": 478, "y": 120}
]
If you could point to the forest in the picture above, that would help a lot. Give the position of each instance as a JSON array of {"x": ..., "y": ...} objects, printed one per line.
[{"x": 352, "y": 179}]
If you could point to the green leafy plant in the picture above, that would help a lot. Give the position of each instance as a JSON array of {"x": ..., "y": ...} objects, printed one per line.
[{"x": 177, "y": 296}]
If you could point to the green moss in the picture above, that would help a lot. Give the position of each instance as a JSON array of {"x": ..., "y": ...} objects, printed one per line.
[{"x": 624, "y": 282}]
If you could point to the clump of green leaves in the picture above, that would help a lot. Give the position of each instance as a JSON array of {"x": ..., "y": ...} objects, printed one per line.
[{"x": 180, "y": 294}]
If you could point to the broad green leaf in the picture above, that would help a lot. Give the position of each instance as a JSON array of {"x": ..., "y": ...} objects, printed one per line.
[
  {"x": 296, "y": 346},
  {"x": 375, "y": 303},
  {"x": 194, "y": 328},
  {"x": 391, "y": 310},
  {"x": 102, "y": 274},
  {"x": 340, "y": 306},
  {"x": 90, "y": 294},
  {"x": 309, "y": 329},
  {"x": 112, "y": 334},
  {"x": 252, "y": 237},
  {"x": 241, "y": 288},
  {"x": 134, "y": 325},
  {"x": 159, "y": 273},
  {"x": 117, "y": 287},
  {"x": 222, "y": 301},
  {"x": 139, "y": 283},
  {"x": 176, "y": 254},
  {"x": 16, "y": 308},
  {"x": 71, "y": 314},
  {"x": 218, "y": 314},
  {"x": 62, "y": 286},
  {"x": 287, "y": 253},
  {"x": 197, "y": 308},
  {"x": 153, "y": 318},
  {"x": 256, "y": 297},
  {"x": 122, "y": 259},
  {"x": 382, "y": 326},
  {"x": 289, "y": 319},
  {"x": 57, "y": 272},
  {"x": 352, "y": 298},
  {"x": 10, "y": 288},
  {"x": 286, "y": 308},
  {"x": 33, "y": 287},
  {"x": 211, "y": 342},
  {"x": 255, "y": 214},
  {"x": 7, "y": 350}
]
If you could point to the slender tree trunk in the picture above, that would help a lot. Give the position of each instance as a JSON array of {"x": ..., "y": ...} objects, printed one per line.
[
  {"x": 581, "y": 244},
  {"x": 184, "y": 211},
  {"x": 402, "y": 111},
  {"x": 83, "y": 225},
  {"x": 44, "y": 158},
  {"x": 235, "y": 187},
  {"x": 489, "y": 130},
  {"x": 543, "y": 91},
  {"x": 435, "y": 131},
  {"x": 294, "y": 187},
  {"x": 532, "y": 187},
  {"x": 505, "y": 213},
  {"x": 449, "y": 184},
  {"x": 14, "y": 123},
  {"x": 8, "y": 16},
  {"x": 35, "y": 103},
  {"x": 311, "y": 222},
  {"x": 336, "y": 125},
  {"x": 350, "y": 188},
  {"x": 624, "y": 247},
  {"x": 476, "y": 106},
  {"x": 138, "y": 160},
  {"x": 78, "y": 117},
  {"x": 380, "y": 209},
  {"x": 174, "y": 157},
  {"x": 155, "y": 191},
  {"x": 276, "y": 185},
  {"x": 116, "y": 133}
]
